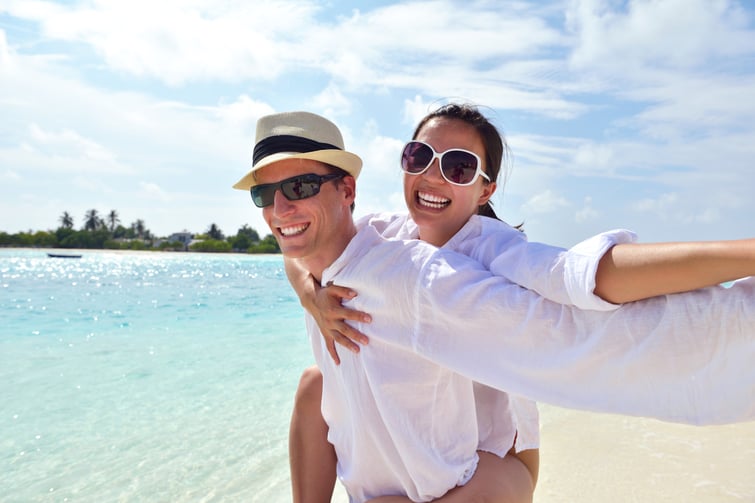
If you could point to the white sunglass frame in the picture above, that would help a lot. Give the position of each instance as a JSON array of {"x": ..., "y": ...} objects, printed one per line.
[{"x": 439, "y": 155}]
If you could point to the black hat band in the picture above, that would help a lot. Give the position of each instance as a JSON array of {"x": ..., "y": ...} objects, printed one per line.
[{"x": 287, "y": 143}]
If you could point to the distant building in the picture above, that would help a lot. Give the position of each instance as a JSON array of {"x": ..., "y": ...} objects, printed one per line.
[{"x": 185, "y": 238}]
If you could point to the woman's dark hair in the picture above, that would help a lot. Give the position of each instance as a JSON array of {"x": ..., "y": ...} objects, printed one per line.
[{"x": 496, "y": 149}]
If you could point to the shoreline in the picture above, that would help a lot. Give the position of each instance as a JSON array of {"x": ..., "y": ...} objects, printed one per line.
[{"x": 84, "y": 251}]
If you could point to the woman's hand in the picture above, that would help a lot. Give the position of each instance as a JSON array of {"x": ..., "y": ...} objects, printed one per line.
[
  {"x": 325, "y": 306},
  {"x": 331, "y": 317}
]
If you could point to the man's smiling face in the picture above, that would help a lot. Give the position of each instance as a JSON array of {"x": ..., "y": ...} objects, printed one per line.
[{"x": 311, "y": 229}]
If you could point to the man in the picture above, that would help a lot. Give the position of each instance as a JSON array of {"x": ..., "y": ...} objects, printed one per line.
[{"x": 401, "y": 413}]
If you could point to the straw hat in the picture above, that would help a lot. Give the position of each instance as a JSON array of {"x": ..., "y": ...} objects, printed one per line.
[{"x": 298, "y": 135}]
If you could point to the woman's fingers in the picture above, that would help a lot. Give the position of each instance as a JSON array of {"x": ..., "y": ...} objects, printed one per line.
[
  {"x": 346, "y": 337},
  {"x": 335, "y": 308},
  {"x": 346, "y": 342},
  {"x": 330, "y": 345},
  {"x": 341, "y": 292},
  {"x": 333, "y": 317}
]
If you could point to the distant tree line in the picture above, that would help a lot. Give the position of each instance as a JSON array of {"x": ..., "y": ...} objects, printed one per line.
[{"x": 106, "y": 232}]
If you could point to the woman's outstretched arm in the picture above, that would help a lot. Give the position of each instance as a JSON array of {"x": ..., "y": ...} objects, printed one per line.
[{"x": 634, "y": 271}]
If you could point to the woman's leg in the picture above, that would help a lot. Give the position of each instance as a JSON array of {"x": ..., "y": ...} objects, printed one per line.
[
  {"x": 531, "y": 460},
  {"x": 313, "y": 460},
  {"x": 312, "y": 457},
  {"x": 496, "y": 480}
]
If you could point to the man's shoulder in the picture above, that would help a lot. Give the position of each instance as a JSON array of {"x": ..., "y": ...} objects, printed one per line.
[
  {"x": 372, "y": 258},
  {"x": 481, "y": 233},
  {"x": 373, "y": 241},
  {"x": 370, "y": 250},
  {"x": 390, "y": 225}
]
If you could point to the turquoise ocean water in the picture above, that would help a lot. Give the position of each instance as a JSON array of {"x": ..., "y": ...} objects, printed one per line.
[
  {"x": 169, "y": 377},
  {"x": 146, "y": 376}
]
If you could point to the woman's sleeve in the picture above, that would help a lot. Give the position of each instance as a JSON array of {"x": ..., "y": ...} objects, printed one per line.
[
  {"x": 682, "y": 358},
  {"x": 566, "y": 276}
]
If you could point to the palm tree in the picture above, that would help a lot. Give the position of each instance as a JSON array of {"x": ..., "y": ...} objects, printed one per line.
[
  {"x": 214, "y": 232},
  {"x": 92, "y": 220},
  {"x": 113, "y": 220},
  {"x": 66, "y": 220},
  {"x": 138, "y": 227}
]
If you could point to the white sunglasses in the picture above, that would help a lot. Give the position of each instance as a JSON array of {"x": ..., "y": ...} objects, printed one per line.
[{"x": 457, "y": 166}]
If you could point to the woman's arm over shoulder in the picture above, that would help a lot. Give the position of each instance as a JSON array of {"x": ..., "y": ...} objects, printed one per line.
[
  {"x": 325, "y": 306},
  {"x": 301, "y": 281}
]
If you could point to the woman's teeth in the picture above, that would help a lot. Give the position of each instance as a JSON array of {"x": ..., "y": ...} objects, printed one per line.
[{"x": 432, "y": 201}]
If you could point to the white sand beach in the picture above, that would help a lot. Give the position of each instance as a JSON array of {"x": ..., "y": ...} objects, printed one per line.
[
  {"x": 599, "y": 458},
  {"x": 587, "y": 457}
]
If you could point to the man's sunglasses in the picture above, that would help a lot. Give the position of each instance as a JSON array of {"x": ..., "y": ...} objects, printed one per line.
[
  {"x": 458, "y": 166},
  {"x": 294, "y": 188}
]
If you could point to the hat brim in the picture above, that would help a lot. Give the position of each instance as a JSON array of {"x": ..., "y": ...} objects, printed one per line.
[{"x": 351, "y": 163}]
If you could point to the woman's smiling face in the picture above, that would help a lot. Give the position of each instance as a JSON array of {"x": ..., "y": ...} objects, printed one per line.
[{"x": 439, "y": 208}]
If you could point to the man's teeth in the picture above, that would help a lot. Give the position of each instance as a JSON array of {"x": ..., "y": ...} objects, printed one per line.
[
  {"x": 293, "y": 230},
  {"x": 432, "y": 200}
]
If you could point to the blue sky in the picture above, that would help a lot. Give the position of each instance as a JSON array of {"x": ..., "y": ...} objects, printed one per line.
[{"x": 635, "y": 114}]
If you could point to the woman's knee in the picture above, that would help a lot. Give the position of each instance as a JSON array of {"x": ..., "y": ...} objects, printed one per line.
[{"x": 310, "y": 387}]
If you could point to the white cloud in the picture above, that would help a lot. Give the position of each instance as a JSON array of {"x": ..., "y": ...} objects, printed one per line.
[
  {"x": 332, "y": 102},
  {"x": 89, "y": 183},
  {"x": 661, "y": 206},
  {"x": 695, "y": 105},
  {"x": 243, "y": 112},
  {"x": 9, "y": 176},
  {"x": 157, "y": 103},
  {"x": 5, "y": 59},
  {"x": 590, "y": 156},
  {"x": 587, "y": 212},
  {"x": 67, "y": 143},
  {"x": 692, "y": 32},
  {"x": 239, "y": 41},
  {"x": 380, "y": 183},
  {"x": 415, "y": 109},
  {"x": 177, "y": 41},
  {"x": 545, "y": 202},
  {"x": 150, "y": 190}
]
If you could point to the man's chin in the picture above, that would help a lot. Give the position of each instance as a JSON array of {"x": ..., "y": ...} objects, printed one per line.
[{"x": 292, "y": 251}]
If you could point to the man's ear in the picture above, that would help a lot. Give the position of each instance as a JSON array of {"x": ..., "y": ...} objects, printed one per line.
[{"x": 349, "y": 188}]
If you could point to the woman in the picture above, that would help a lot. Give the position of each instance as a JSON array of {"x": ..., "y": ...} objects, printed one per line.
[{"x": 442, "y": 198}]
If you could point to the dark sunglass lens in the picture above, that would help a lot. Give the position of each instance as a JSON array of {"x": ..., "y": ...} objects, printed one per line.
[
  {"x": 263, "y": 195},
  {"x": 459, "y": 167},
  {"x": 416, "y": 157},
  {"x": 295, "y": 188},
  {"x": 301, "y": 188}
]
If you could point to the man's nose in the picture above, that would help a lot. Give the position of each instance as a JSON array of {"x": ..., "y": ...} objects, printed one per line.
[{"x": 281, "y": 204}]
